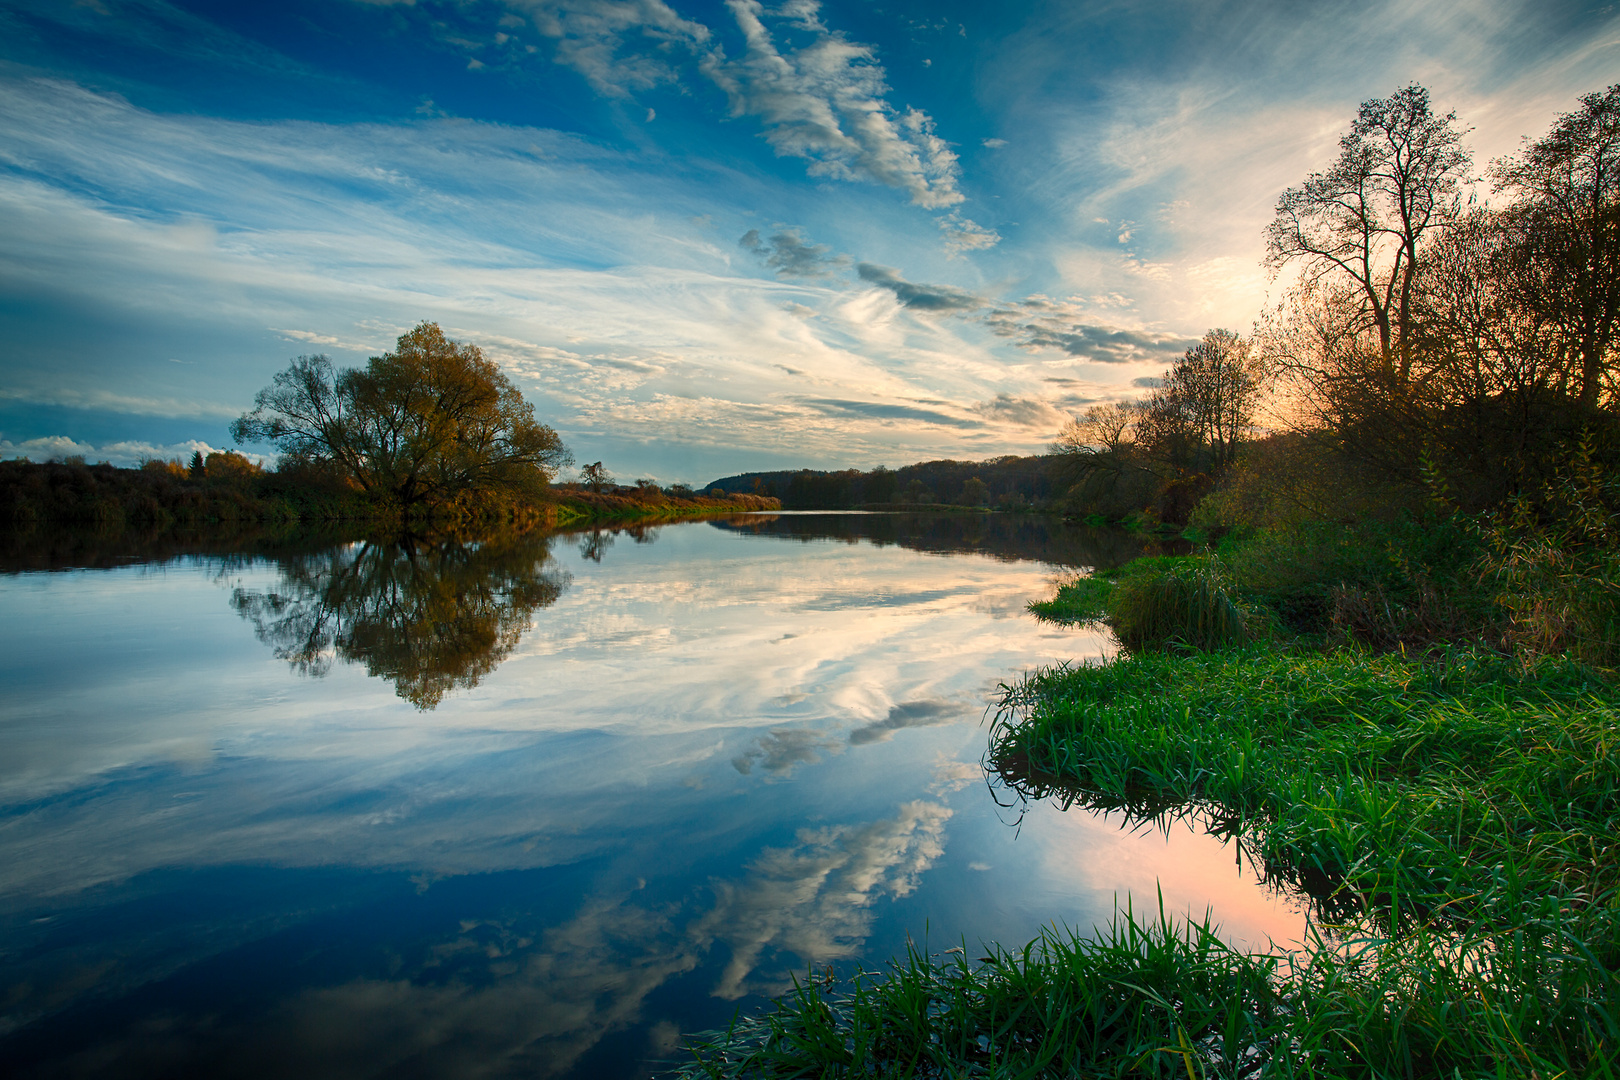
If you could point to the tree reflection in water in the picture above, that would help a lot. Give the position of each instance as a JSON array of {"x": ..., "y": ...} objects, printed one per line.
[{"x": 428, "y": 614}]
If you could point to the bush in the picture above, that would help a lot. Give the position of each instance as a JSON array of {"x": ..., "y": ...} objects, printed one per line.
[{"x": 1185, "y": 605}]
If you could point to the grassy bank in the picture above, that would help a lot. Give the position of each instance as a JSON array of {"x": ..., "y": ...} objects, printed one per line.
[
  {"x": 1455, "y": 824},
  {"x": 1411, "y": 723}
]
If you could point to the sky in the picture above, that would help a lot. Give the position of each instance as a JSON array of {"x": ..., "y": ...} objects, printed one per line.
[{"x": 701, "y": 238}]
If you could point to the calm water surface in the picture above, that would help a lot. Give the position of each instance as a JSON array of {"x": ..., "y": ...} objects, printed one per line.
[{"x": 530, "y": 807}]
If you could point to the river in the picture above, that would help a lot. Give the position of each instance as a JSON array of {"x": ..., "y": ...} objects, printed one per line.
[{"x": 531, "y": 805}]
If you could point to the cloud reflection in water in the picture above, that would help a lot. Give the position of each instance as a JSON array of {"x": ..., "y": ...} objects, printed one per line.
[{"x": 708, "y": 762}]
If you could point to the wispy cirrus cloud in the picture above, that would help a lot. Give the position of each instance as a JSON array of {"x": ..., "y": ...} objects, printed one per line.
[
  {"x": 112, "y": 401},
  {"x": 827, "y": 103}
]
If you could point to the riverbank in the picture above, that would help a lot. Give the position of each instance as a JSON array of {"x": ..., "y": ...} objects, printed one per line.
[
  {"x": 1453, "y": 825},
  {"x": 582, "y": 506},
  {"x": 1371, "y": 715},
  {"x": 229, "y": 491}
]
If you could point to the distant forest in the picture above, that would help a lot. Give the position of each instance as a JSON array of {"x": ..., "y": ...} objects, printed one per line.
[{"x": 1004, "y": 483}]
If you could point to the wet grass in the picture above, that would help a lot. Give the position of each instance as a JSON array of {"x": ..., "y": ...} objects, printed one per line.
[
  {"x": 1410, "y": 783},
  {"x": 1455, "y": 822},
  {"x": 1147, "y": 997}
]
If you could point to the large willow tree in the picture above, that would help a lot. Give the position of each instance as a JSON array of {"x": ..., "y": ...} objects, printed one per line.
[{"x": 422, "y": 425}]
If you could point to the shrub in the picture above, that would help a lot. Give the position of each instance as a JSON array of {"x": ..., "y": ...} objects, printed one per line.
[{"x": 1184, "y": 605}]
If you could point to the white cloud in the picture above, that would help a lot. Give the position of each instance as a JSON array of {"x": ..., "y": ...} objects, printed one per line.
[
  {"x": 609, "y": 318},
  {"x": 826, "y": 103},
  {"x": 619, "y": 46},
  {"x": 961, "y": 235},
  {"x": 125, "y": 453}
]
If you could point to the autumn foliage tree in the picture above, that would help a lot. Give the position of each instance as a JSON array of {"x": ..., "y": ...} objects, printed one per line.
[
  {"x": 1432, "y": 335},
  {"x": 429, "y": 423},
  {"x": 1163, "y": 451}
]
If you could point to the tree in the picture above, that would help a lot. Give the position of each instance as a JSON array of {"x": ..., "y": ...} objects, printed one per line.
[
  {"x": 424, "y": 424},
  {"x": 1167, "y": 449},
  {"x": 1398, "y": 179},
  {"x": 595, "y": 477},
  {"x": 1097, "y": 459},
  {"x": 1568, "y": 225},
  {"x": 1105, "y": 427},
  {"x": 1212, "y": 392}
]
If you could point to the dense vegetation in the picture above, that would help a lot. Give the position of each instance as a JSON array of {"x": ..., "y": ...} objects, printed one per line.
[
  {"x": 1392, "y": 681},
  {"x": 1004, "y": 483}
]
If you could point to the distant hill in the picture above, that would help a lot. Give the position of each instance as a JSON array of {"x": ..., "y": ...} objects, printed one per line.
[{"x": 1004, "y": 483}]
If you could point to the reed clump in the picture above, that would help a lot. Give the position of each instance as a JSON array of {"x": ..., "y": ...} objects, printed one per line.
[
  {"x": 1161, "y": 602},
  {"x": 1141, "y": 996}
]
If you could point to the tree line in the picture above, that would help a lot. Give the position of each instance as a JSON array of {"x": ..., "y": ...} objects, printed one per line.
[
  {"x": 1009, "y": 482},
  {"x": 1432, "y": 336}
]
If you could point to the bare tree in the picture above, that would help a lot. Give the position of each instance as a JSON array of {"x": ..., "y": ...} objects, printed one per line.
[
  {"x": 1107, "y": 426},
  {"x": 1568, "y": 225},
  {"x": 1398, "y": 179},
  {"x": 1214, "y": 389}
]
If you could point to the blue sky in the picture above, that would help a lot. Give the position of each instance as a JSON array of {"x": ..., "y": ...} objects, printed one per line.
[{"x": 700, "y": 237}]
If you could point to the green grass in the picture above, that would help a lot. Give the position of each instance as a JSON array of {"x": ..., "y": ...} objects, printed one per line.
[
  {"x": 1144, "y": 997},
  {"x": 1417, "y": 783},
  {"x": 1082, "y": 600},
  {"x": 1158, "y": 602},
  {"x": 1456, "y": 825}
]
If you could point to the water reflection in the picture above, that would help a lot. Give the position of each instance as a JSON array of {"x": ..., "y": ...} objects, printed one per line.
[
  {"x": 1006, "y": 537},
  {"x": 1300, "y": 883},
  {"x": 429, "y": 615},
  {"x": 708, "y": 762}
]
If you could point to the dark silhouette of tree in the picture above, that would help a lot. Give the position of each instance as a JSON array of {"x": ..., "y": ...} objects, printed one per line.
[
  {"x": 423, "y": 424},
  {"x": 595, "y": 477},
  {"x": 1429, "y": 339},
  {"x": 1360, "y": 223},
  {"x": 430, "y": 616},
  {"x": 1566, "y": 235},
  {"x": 1168, "y": 448}
]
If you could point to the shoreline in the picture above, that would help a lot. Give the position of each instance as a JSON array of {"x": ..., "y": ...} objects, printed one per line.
[{"x": 1447, "y": 816}]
